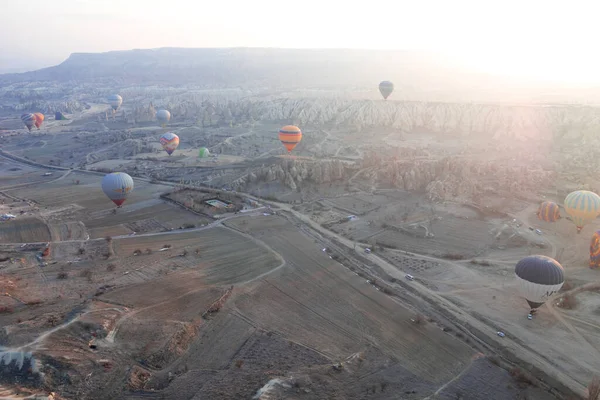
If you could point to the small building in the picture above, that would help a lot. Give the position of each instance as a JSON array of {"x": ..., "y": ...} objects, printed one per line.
[{"x": 216, "y": 203}]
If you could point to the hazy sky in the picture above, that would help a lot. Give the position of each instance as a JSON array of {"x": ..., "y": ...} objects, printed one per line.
[{"x": 546, "y": 39}]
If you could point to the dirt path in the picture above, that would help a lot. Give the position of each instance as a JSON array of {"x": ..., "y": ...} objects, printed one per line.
[
  {"x": 22, "y": 185},
  {"x": 44, "y": 335},
  {"x": 583, "y": 341},
  {"x": 441, "y": 388}
]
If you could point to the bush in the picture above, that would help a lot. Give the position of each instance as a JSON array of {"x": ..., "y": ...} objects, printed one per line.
[
  {"x": 494, "y": 360},
  {"x": 521, "y": 376},
  {"x": 108, "y": 239},
  {"x": 81, "y": 250},
  {"x": 137, "y": 252},
  {"x": 453, "y": 256},
  {"x": 188, "y": 226},
  {"x": 86, "y": 273},
  {"x": 6, "y": 310},
  {"x": 566, "y": 286},
  {"x": 148, "y": 251},
  {"x": 594, "y": 389},
  {"x": 567, "y": 301},
  {"x": 418, "y": 319},
  {"x": 62, "y": 275},
  {"x": 239, "y": 363},
  {"x": 111, "y": 267}
]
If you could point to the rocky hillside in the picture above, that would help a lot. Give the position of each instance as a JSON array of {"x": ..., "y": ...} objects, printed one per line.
[
  {"x": 294, "y": 174},
  {"x": 451, "y": 178},
  {"x": 493, "y": 121}
]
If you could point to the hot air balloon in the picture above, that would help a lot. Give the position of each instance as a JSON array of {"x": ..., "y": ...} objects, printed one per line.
[
  {"x": 538, "y": 278},
  {"x": 582, "y": 206},
  {"x": 169, "y": 142},
  {"x": 59, "y": 116},
  {"x": 386, "y": 88},
  {"x": 203, "y": 152},
  {"x": 115, "y": 101},
  {"x": 39, "y": 119},
  {"x": 117, "y": 186},
  {"x": 290, "y": 136},
  {"x": 163, "y": 116},
  {"x": 28, "y": 120},
  {"x": 549, "y": 211},
  {"x": 595, "y": 250}
]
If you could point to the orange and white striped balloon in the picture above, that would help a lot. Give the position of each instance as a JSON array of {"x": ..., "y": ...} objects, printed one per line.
[{"x": 290, "y": 136}]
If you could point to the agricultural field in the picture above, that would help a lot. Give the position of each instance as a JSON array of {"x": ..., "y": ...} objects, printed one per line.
[
  {"x": 23, "y": 230},
  {"x": 156, "y": 216},
  {"x": 87, "y": 193},
  {"x": 12, "y": 174},
  {"x": 409, "y": 222},
  {"x": 352, "y": 204},
  {"x": 464, "y": 238},
  {"x": 221, "y": 256}
]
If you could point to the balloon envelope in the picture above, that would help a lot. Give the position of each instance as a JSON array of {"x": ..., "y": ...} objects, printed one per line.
[
  {"x": 117, "y": 186},
  {"x": 386, "y": 88},
  {"x": 169, "y": 142},
  {"x": 538, "y": 278},
  {"x": 595, "y": 250},
  {"x": 163, "y": 116},
  {"x": 549, "y": 211},
  {"x": 28, "y": 120},
  {"x": 115, "y": 101},
  {"x": 39, "y": 119},
  {"x": 203, "y": 152},
  {"x": 290, "y": 136},
  {"x": 59, "y": 116},
  {"x": 582, "y": 206}
]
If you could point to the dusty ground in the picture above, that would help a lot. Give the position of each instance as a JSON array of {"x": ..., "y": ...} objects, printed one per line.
[
  {"x": 292, "y": 314},
  {"x": 168, "y": 323},
  {"x": 482, "y": 281}
]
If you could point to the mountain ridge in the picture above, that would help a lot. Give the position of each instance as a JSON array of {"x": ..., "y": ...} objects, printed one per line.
[{"x": 417, "y": 74}]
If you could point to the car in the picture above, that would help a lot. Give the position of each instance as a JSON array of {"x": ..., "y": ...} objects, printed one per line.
[
  {"x": 501, "y": 334},
  {"x": 409, "y": 277}
]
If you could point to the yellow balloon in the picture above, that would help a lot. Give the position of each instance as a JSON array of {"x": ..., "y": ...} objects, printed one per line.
[{"x": 582, "y": 206}]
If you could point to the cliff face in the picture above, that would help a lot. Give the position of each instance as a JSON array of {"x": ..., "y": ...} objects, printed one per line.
[
  {"x": 451, "y": 178},
  {"x": 294, "y": 174}
]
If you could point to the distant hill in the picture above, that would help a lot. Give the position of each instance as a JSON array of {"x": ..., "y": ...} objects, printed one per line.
[
  {"x": 418, "y": 75},
  {"x": 241, "y": 66}
]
